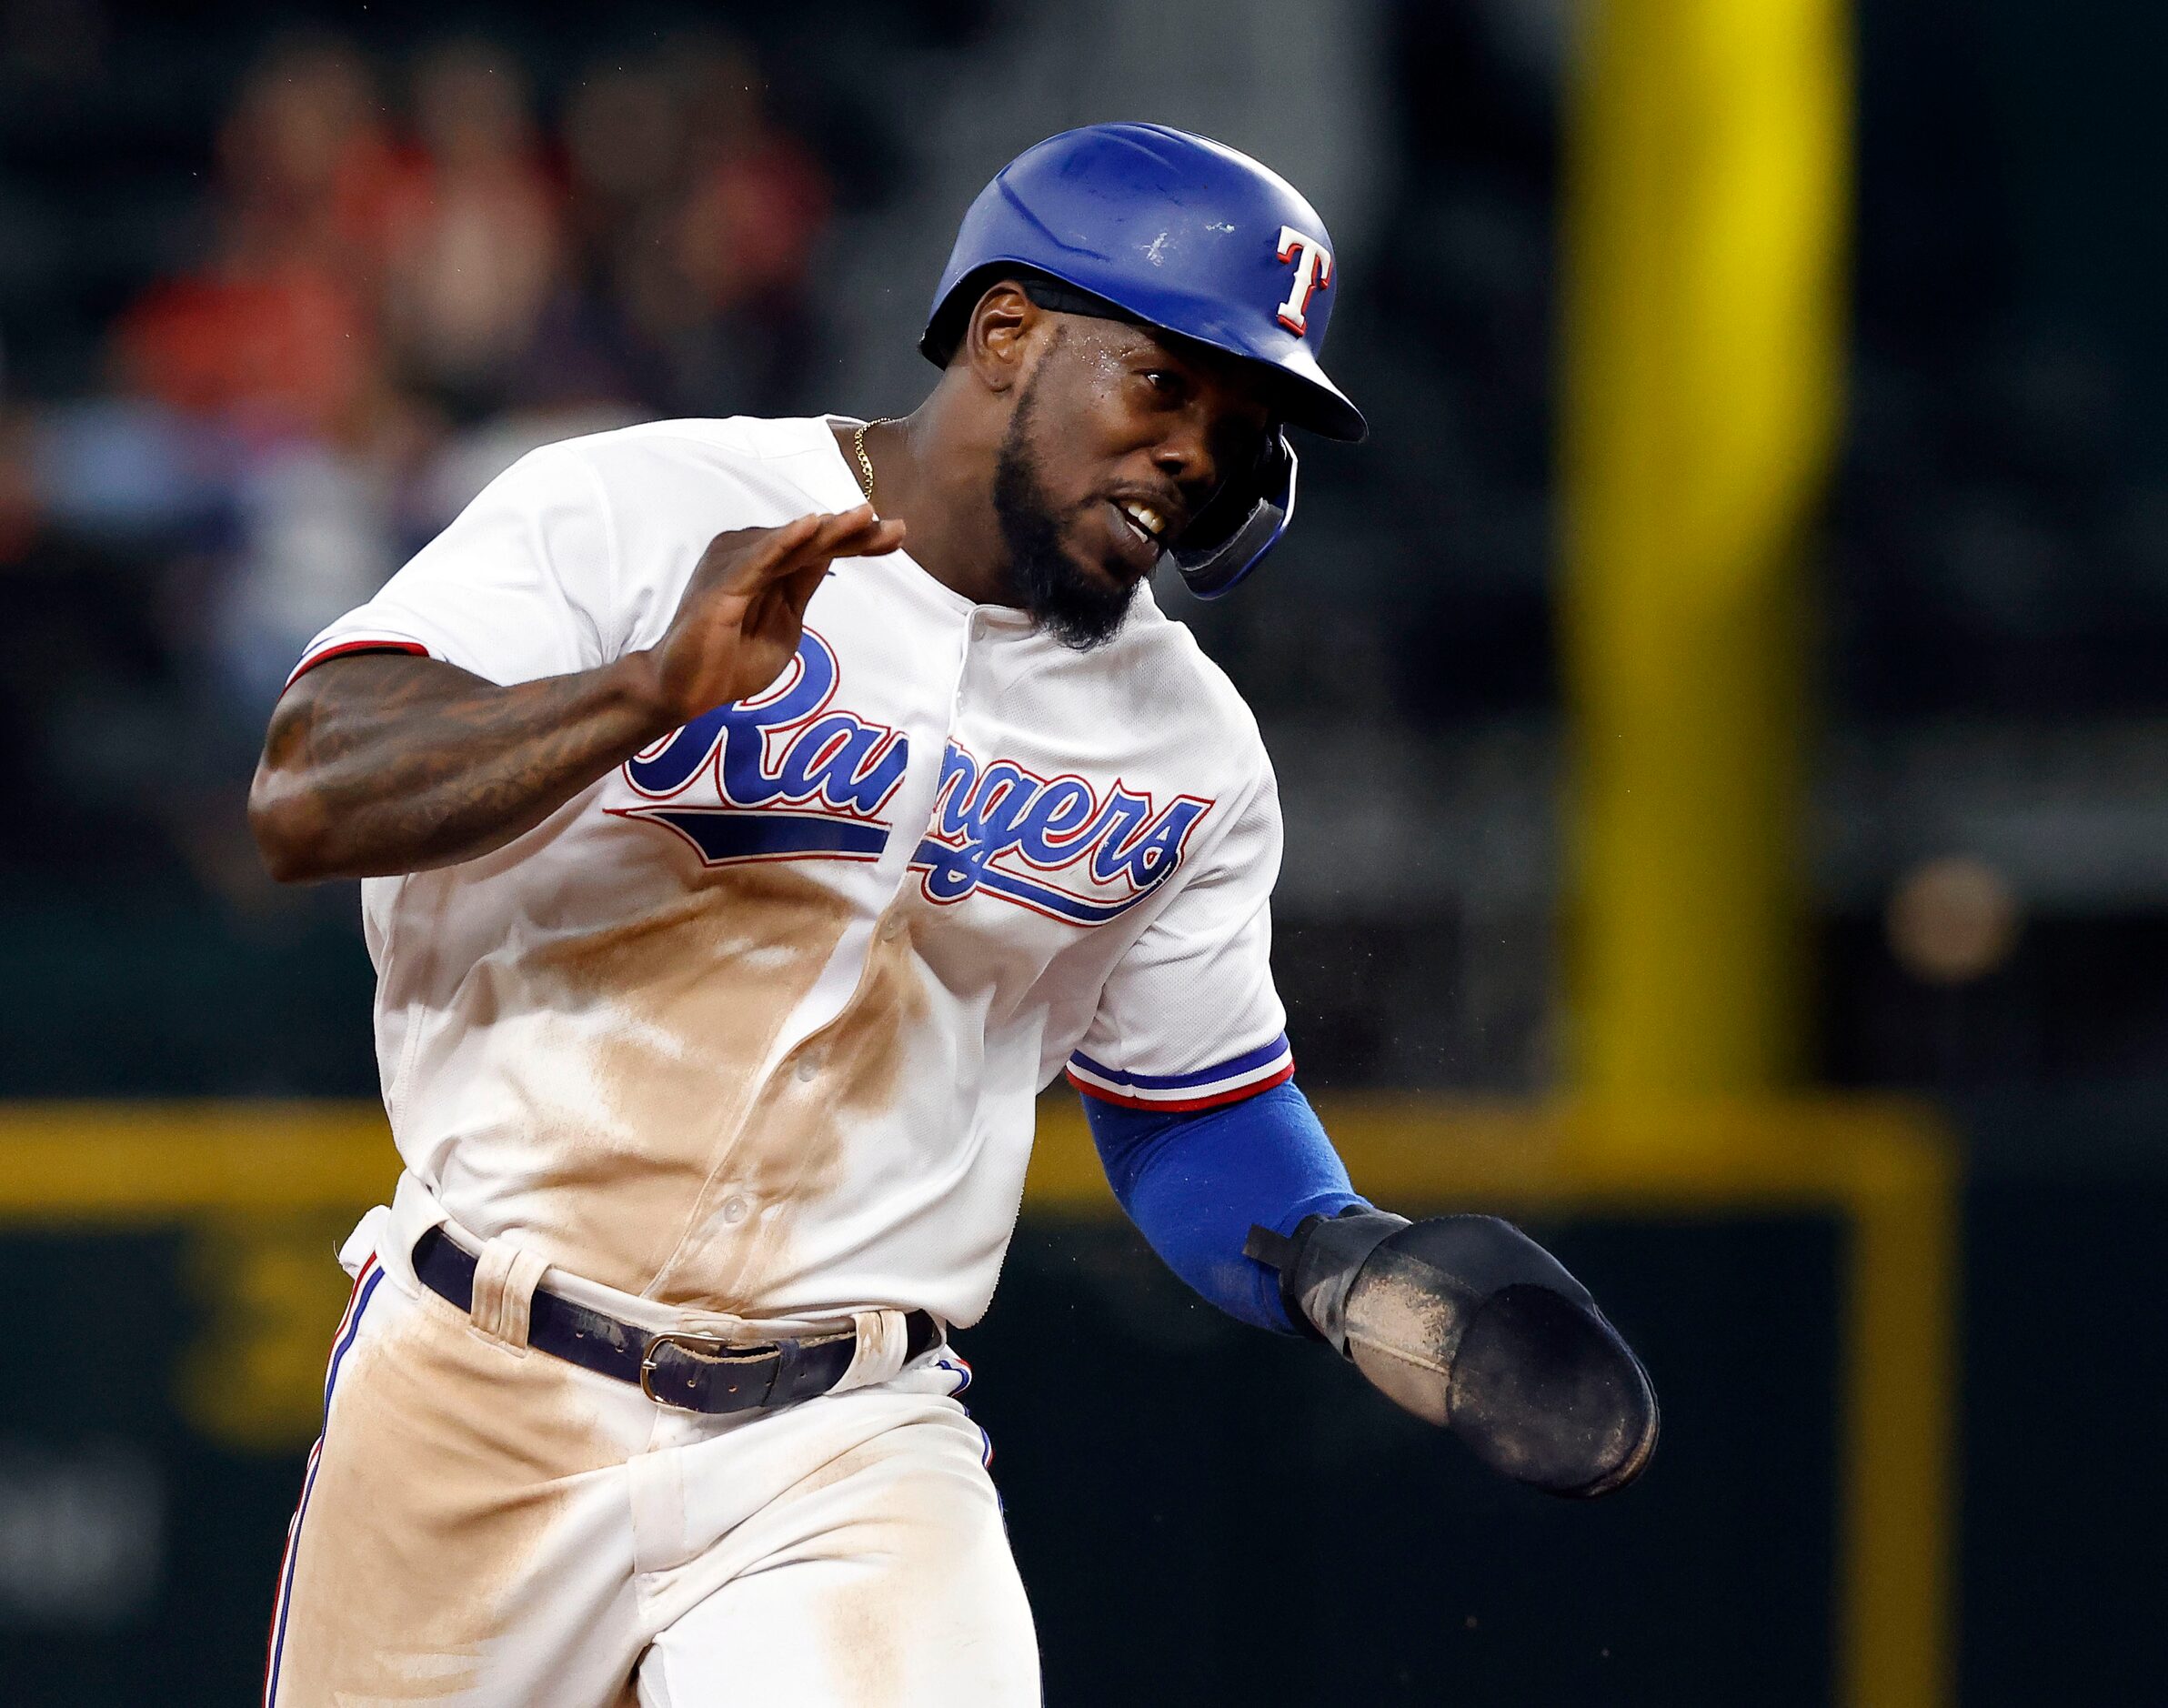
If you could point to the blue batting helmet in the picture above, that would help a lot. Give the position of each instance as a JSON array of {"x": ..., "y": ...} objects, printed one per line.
[{"x": 1190, "y": 238}]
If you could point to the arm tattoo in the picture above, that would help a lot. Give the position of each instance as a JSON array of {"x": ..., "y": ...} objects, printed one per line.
[{"x": 383, "y": 762}]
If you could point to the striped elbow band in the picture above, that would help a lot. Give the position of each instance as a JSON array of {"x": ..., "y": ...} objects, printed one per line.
[{"x": 1226, "y": 1082}]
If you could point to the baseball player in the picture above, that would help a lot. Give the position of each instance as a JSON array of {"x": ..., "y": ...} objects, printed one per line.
[{"x": 754, "y": 817}]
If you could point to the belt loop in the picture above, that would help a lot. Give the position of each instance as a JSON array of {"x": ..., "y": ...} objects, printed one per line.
[
  {"x": 504, "y": 1290},
  {"x": 366, "y": 1240},
  {"x": 883, "y": 1340}
]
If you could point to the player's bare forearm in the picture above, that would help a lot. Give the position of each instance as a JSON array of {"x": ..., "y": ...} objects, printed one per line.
[{"x": 381, "y": 762}]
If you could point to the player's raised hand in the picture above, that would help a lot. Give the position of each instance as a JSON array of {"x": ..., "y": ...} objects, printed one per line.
[{"x": 739, "y": 620}]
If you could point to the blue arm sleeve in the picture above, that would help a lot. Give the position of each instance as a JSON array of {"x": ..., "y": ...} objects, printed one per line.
[{"x": 1195, "y": 1183}]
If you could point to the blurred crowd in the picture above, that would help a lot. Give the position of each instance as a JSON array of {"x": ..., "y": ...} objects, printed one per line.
[
  {"x": 407, "y": 278},
  {"x": 431, "y": 244}
]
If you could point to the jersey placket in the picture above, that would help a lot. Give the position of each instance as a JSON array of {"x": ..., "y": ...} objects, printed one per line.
[{"x": 733, "y": 1237}]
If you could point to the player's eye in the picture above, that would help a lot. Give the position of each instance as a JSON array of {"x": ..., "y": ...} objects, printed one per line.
[{"x": 1164, "y": 381}]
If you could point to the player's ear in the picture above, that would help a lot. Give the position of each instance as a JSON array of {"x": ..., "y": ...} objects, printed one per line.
[{"x": 998, "y": 333}]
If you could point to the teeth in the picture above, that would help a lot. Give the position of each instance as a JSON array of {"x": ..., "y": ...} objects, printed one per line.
[{"x": 1146, "y": 518}]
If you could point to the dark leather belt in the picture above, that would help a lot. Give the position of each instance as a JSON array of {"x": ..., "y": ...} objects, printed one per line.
[{"x": 694, "y": 1373}]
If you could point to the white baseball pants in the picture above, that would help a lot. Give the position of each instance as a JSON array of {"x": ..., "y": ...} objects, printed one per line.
[{"x": 489, "y": 1526}]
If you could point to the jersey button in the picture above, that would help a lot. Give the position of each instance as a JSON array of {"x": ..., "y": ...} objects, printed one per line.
[
  {"x": 735, "y": 1209},
  {"x": 893, "y": 927},
  {"x": 807, "y": 1068}
]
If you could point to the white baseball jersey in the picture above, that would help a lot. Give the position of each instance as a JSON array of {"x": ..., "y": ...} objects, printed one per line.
[{"x": 755, "y": 1023}]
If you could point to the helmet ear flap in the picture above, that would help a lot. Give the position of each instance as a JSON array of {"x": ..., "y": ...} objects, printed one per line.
[{"x": 1245, "y": 519}]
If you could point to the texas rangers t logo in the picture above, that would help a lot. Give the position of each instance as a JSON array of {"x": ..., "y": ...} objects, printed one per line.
[{"x": 1313, "y": 272}]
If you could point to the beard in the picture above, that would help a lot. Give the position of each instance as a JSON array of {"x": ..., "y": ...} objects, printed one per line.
[{"x": 1065, "y": 600}]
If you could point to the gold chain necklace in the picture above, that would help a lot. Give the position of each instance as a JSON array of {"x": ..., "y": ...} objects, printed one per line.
[{"x": 858, "y": 443}]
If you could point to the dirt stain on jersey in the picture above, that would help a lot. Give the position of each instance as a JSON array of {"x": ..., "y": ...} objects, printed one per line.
[
  {"x": 658, "y": 1027},
  {"x": 427, "y": 1534},
  {"x": 788, "y": 1152}
]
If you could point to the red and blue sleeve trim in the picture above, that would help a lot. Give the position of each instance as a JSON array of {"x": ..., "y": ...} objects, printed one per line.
[
  {"x": 1176, "y": 1093},
  {"x": 339, "y": 648}
]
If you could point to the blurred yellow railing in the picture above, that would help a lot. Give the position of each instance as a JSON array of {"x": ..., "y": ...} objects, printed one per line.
[{"x": 265, "y": 1189}]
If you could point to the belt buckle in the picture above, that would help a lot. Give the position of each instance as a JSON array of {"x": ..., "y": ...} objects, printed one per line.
[{"x": 703, "y": 1345}]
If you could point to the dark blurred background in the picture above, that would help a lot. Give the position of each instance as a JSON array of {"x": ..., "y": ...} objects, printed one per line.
[
  {"x": 277, "y": 297},
  {"x": 281, "y": 290}
]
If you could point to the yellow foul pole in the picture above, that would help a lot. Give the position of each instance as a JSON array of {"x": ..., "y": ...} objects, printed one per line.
[
  {"x": 1707, "y": 180},
  {"x": 1706, "y": 209}
]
